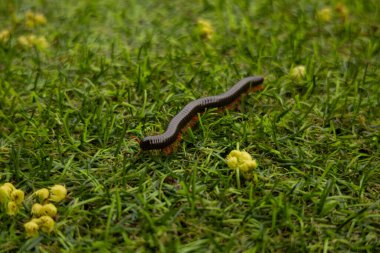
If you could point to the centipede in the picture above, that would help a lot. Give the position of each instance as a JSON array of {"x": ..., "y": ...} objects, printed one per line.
[{"x": 188, "y": 116}]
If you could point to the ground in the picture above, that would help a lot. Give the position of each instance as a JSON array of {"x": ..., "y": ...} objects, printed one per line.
[{"x": 77, "y": 88}]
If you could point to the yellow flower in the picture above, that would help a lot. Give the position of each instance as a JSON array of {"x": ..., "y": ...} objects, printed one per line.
[
  {"x": 5, "y": 35},
  {"x": 49, "y": 210},
  {"x": 31, "y": 228},
  {"x": 248, "y": 165},
  {"x": 33, "y": 19},
  {"x": 41, "y": 42},
  {"x": 232, "y": 162},
  {"x": 18, "y": 196},
  {"x": 33, "y": 40},
  {"x": 241, "y": 160},
  {"x": 47, "y": 224},
  {"x": 298, "y": 72},
  {"x": 245, "y": 156},
  {"x": 37, "y": 210},
  {"x": 324, "y": 14},
  {"x": 10, "y": 186},
  {"x": 38, "y": 221},
  {"x": 205, "y": 29},
  {"x": 40, "y": 18},
  {"x": 25, "y": 41},
  {"x": 12, "y": 208},
  {"x": 5, "y": 193},
  {"x": 58, "y": 193},
  {"x": 42, "y": 194}
]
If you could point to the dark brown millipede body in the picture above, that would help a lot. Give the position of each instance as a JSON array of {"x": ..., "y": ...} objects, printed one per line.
[{"x": 197, "y": 106}]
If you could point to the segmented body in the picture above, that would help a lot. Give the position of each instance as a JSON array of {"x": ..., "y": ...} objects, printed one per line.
[{"x": 182, "y": 119}]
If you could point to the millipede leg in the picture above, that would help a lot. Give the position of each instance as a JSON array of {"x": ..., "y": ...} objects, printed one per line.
[
  {"x": 256, "y": 88},
  {"x": 168, "y": 150}
]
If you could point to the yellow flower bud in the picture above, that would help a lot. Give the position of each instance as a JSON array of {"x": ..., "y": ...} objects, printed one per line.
[
  {"x": 40, "y": 19},
  {"x": 32, "y": 40},
  {"x": 58, "y": 193},
  {"x": 49, "y": 210},
  {"x": 37, "y": 221},
  {"x": 298, "y": 72},
  {"x": 24, "y": 41},
  {"x": 41, "y": 42},
  {"x": 42, "y": 194},
  {"x": 248, "y": 166},
  {"x": 47, "y": 224},
  {"x": 324, "y": 14},
  {"x": 241, "y": 160},
  {"x": 33, "y": 19},
  {"x": 12, "y": 208},
  {"x": 10, "y": 185},
  {"x": 205, "y": 29},
  {"x": 245, "y": 156},
  {"x": 232, "y": 162},
  {"x": 5, "y": 35},
  {"x": 233, "y": 159},
  {"x": 252, "y": 164},
  {"x": 234, "y": 153},
  {"x": 5, "y": 193},
  {"x": 31, "y": 228},
  {"x": 18, "y": 196},
  {"x": 37, "y": 210}
]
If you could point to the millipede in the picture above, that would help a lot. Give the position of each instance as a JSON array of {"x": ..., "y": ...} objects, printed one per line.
[{"x": 189, "y": 114}]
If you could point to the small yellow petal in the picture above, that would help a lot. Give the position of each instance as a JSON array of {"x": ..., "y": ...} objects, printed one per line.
[
  {"x": 232, "y": 162},
  {"x": 298, "y": 72},
  {"x": 31, "y": 228},
  {"x": 37, "y": 210},
  {"x": 10, "y": 185},
  {"x": 252, "y": 164},
  {"x": 38, "y": 221},
  {"x": 33, "y": 19},
  {"x": 5, "y": 35},
  {"x": 24, "y": 41},
  {"x": 58, "y": 193},
  {"x": 41, "y": 42},
  {"x": 234, "y": 153},
  {"x": 47, "y": 224},
  {"x": 32, "y": 40},
  {"x": 247, "y": 166},
  {"x": 40, "y": 18},
  {"x": 205, "y": 29},
  {"x": 324, "y": 14},
  {"x": 18, "y": 196},
  {"x": 245, "y": 156},
  {"x": 49, "y": 210},
  {"x": 42, "y": 194},
  {"x": 5, "y": 193},
  {"x": 12, "y": 208}
]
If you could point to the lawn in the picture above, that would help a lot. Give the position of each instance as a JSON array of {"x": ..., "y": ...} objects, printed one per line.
[{"x": 80, "y": 80}]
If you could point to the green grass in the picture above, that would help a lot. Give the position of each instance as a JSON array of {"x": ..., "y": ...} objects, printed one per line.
[{"x": 117, "y": 69}]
